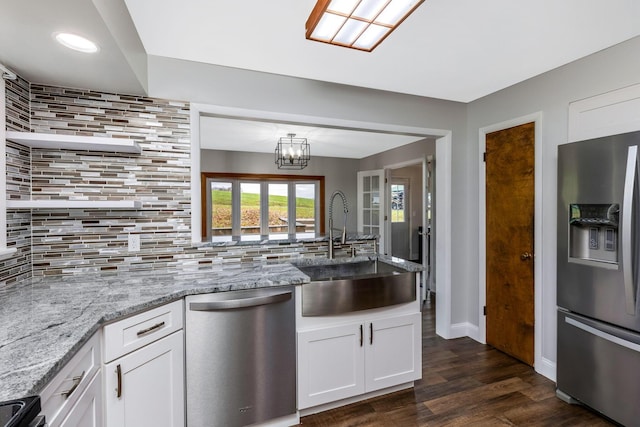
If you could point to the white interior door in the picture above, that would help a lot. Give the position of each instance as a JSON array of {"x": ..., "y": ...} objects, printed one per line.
[{"x": 371, "y": 204}]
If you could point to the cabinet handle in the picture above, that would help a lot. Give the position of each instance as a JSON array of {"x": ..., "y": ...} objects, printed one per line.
[
  {"x": 119, "y": 375},
  {"x": 361, "y": 335},
  {"x": 371, "y": 333},
  {"x": 150, "y": 329},
  {"x": 76, "y": 381}
]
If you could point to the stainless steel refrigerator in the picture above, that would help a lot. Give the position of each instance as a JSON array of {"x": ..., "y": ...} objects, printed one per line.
[{"x": 598, "y": 360}]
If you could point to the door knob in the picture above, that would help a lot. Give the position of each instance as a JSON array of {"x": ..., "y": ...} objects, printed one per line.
[{"x": 525, "y": 256}]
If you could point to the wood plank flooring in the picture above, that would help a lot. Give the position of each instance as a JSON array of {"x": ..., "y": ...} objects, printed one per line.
[{"x": 464, "y": 383}]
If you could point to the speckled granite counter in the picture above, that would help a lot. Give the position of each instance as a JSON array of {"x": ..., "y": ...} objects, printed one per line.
[{"x": 44, "y": 321}]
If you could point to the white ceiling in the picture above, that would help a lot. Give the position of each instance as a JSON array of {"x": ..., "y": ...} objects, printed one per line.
[{"x": 458, "y": 50}]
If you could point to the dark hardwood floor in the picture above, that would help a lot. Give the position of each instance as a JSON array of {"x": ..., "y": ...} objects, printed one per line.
[{"x": 464, "y": 383}]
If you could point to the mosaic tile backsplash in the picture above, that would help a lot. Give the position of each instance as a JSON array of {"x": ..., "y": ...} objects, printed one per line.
[{"x": 74, "y": 241}]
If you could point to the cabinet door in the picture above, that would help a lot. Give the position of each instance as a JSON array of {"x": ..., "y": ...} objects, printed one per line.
[
  {"x": 330, "y": 364},
  {"x": 87, "y": 412},
  {"x": 151, "y": 386},
  {"x": 393, "y": 351}
]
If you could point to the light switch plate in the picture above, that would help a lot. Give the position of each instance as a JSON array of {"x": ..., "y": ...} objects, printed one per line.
[{"x": 134, "y": 242}]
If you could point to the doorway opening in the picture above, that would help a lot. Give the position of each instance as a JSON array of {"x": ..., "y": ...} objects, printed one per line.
[{"x": 410, "y": 190}]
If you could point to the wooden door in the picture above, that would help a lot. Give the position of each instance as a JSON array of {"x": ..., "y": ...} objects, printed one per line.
[{"x": 510, "y": 233}]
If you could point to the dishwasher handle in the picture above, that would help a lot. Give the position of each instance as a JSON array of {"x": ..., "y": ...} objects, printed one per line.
[{"x": 251, "y": 301}]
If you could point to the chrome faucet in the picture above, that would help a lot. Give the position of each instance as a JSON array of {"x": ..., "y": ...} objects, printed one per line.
[{"x": 343, "y": 239}]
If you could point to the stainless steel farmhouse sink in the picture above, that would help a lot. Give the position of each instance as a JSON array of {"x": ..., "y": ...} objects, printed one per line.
[{"x": 346, "y": 287}]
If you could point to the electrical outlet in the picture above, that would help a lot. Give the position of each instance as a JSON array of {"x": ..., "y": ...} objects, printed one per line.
[{"x": 134, "y": 242}]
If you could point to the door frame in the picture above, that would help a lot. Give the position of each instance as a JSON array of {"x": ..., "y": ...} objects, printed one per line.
[
  {"x": 423, "y": 162},
  {"x": 545, "y": 367}
]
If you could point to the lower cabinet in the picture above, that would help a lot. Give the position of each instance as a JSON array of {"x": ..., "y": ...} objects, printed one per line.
[
  {"x": 87, "y": 412},
  {"x": 342, "y": 361},
  {"x": 146, "y": 386},
  {"x": 74, "y": 396}
]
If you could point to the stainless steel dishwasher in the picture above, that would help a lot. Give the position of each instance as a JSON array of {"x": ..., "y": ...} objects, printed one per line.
[{"x": 240, "y": 357}]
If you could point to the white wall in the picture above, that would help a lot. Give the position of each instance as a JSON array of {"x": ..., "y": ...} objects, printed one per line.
[{"x": 551, "y": 94}]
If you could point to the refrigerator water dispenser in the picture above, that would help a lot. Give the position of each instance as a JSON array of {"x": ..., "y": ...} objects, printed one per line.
[{"x": 593, "y": 234}]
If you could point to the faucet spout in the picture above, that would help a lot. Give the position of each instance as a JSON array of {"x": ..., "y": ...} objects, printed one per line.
[{"x": 343, "y": 238}]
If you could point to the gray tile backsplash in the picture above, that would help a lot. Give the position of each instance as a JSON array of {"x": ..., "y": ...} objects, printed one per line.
[{"x": 73, "y": 241}]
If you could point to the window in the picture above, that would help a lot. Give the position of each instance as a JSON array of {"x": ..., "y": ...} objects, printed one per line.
[
  {"x": 397, "y": 203},
  {"x": 254, "y": 207}
]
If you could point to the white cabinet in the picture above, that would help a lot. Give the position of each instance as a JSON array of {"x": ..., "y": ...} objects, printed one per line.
[
  {"x": 146, "y": 387},
  {"x": 330, "y": 364},
  {"x": 144, "y": 376},
  {"x": 343, "y": 361},
  {"x": 87, "y": 411},
  {"x": 75, "y": 392},
  {"x": 394, "y": 353}
]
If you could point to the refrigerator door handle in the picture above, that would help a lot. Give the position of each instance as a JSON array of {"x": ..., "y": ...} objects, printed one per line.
[
  {"x": 604, "y": 335},
  {"x": 625, "y": 230}
]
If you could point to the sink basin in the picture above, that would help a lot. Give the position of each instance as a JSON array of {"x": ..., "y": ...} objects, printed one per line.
[
  {"x": 354, "y": 286},
  {"x": 19, "y": 412}
]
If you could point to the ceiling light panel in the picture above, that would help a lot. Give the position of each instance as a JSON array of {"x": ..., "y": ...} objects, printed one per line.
[
  {"x": 344, "y": 7},
  {"x": 369, "y": 9},
  {"x": 328, "y": 26},
  {"x": 350, "y": 31},
  {"x": 358, "y": 24}
]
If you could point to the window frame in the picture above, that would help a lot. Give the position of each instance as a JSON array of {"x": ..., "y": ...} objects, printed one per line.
[{"x": 264, "y": 180}]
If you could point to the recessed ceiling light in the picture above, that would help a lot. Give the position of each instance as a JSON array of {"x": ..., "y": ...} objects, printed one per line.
[{"x": 76, "y": 42}]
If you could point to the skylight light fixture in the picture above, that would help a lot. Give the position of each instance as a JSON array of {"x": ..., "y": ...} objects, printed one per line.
[
  {"x": 358, "y": 24},
  {"x": 76, "y": 42},
  {"x": 292, "y": 153}
]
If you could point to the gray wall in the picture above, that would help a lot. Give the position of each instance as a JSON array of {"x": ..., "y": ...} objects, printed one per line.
[
  {"x": 417, "y": 150},
  {"x": 340, "y": 174},
  {"x": 549, "y": 93}
]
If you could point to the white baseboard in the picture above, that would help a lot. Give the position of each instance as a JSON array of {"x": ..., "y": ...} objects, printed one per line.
[
  {"x": 546, "y": 368},
  {"x": 332, "y": 405},
  {"x": 465, "y": 329}
]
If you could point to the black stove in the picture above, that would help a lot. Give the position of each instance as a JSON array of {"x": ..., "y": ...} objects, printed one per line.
[{"x": 20, "y": 412}]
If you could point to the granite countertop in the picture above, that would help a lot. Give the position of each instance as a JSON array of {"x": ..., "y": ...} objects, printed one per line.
[{"x": 45, "y": 320}]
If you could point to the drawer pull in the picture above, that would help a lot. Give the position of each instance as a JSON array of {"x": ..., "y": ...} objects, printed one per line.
[
  {"x": 119, "y": 375},
  {"x": 150, "y": 329},
  {"x": 76, "y": 381}
]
